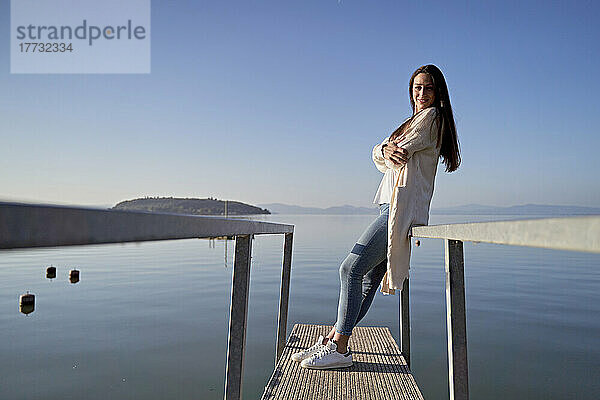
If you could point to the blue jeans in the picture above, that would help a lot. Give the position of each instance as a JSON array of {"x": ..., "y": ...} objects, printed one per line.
[{"x": 361, "y": 273}]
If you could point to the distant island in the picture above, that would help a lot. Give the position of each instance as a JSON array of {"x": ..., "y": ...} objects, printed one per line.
[
  {"x": 525, "y": 209},
  {"x": 208, "y": 206},
  {"x": 278, "y": 208},
  {"x": 469, "y": 209},
  {"x": 212, "y": 206}
]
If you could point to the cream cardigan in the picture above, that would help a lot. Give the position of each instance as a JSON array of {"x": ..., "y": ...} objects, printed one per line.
[{"x": 409, "y": 204}]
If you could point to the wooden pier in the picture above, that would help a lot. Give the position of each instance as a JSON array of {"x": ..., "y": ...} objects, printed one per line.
[{"x": 379, "y": 371}]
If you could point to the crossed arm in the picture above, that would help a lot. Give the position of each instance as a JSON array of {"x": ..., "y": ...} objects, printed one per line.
[
  {"x": 396, "y": 154},
  {"x": 389, "y": 155},
  {"x": 420, "y": 135}
]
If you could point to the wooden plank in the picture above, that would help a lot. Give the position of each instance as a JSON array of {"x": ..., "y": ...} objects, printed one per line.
[
  {"x": 572, "y": 233},
  {"x": 458, "y": 371},
  {"x": 379, "y": 371},
  {"x": 238, "y": 318}
]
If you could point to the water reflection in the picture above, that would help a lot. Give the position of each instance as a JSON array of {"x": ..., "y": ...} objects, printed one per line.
[{"x": 212, "y": 244}]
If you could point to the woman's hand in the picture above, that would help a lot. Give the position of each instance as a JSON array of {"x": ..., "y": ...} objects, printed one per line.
[{"x": 397, "y": 155}]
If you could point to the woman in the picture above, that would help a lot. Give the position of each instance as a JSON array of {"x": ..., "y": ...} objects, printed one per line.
[{"x": 408, "y": 159}]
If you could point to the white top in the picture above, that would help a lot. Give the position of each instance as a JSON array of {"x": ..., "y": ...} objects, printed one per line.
[{"x": 390, "y": 176}]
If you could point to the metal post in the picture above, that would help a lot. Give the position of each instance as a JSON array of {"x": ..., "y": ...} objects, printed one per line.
[
  {"x": 284, "y": 296},
  {"x": 238, "y": 317},
  {"x": 404, "y": 320},
  {"x": 458, "y": 373}
]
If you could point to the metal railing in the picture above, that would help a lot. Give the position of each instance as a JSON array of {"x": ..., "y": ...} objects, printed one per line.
[
  {"x": 573, "y": 233},
  {"x": 30, "y": 226}
]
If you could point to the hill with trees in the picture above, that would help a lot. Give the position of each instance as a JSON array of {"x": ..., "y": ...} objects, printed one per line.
[{"x": 208, "y": 206}]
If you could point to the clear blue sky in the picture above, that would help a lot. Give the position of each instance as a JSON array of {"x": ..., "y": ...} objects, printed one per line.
[{"x": 277, "y": 101}]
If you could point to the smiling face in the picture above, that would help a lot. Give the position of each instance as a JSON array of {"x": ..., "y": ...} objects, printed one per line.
[{"x": 423, "y": 91}]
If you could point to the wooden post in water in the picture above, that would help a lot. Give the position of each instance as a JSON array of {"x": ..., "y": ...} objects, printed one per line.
[
  {"x": 284, "y": 296},
  {"x": 404, "y": 320},
  {"x": 238, "y": 317},
  {"x": 458, "y": 374}
]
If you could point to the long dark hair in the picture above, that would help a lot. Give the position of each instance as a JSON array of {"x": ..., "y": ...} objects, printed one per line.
[{"x": 449, "y": 151}]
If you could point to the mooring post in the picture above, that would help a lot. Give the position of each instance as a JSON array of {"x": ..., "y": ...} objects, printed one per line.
[
  {"x": 284, "y": 296},
  {"x": 238, "y": 317},
  {"x": 458, "y": 374},
  {"x": 404, "y": 320}
]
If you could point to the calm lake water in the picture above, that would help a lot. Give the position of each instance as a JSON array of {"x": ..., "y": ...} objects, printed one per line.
[{"x": 150, "y": 320}]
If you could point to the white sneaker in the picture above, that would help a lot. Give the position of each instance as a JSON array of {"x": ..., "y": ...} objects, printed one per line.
[
  {"x": 310, "y": 351},
  {"x": 328, "y": 357}
]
